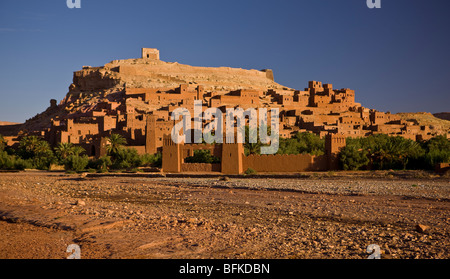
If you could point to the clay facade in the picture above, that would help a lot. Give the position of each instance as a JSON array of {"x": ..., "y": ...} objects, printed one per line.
[{"x": 142, "y": 114}]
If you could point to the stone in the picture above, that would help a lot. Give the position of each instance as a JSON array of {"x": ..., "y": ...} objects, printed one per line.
[
  {"x": 225, "y": 178},
  {"x": 422, "y": 228},
  {"x": 80, "y": 203}
]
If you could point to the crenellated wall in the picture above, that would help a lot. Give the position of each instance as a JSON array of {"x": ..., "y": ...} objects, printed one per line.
[{"x": 234, "y": 161}]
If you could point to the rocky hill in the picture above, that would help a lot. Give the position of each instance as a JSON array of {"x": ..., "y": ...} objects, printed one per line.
[
  {"x": 443, "y": 115},
  {"x": 426, "y": 119},
  {"x": 93, "y": 85},
  {"x": 113, "y": 91},
  {"x": 5, "y": 123}
]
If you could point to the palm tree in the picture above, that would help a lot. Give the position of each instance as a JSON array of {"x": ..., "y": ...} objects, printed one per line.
[
  {"x": 28, "y": 146},
  {"x": 78, "y": 150},
  {"x": 252, "y": 147},
  {"x": 115, "y": 143},
  {"x": 42, "y": 148},
  {"x": 64, "y": 150}
]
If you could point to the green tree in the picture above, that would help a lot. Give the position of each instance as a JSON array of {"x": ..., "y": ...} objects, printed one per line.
[
  {"x": 302, "y": 143},
  {"x": 353, "y": 157},
  {"x": 437, "y": 150},
  {"x": 387, "y": 152},
  {"x": 382, "y": 152},
  {"x": 254, "y": 147},
  {"x": 28, "y": 146},
  {"x": 64, "y": 150},
  {"x": 115, "y": 143},
  {"x": 36, "y": 150}
]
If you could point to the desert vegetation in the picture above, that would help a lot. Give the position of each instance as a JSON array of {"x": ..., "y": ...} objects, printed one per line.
[
  {"x": 382, "y": 152},
  {"x": 377, "y": 152},
  {"x": 35, "y": 153}
]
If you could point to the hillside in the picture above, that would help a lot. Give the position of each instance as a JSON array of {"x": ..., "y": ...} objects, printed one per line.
[
  {"x": 120, "y": 96},
  {"x": 443, "y": 115},
  {"x": 426, "y": 119},
  {"x": 5, "y": 123}
]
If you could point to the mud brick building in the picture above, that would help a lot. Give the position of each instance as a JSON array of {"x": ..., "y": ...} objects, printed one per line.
[{"x": 136, "y": 97}]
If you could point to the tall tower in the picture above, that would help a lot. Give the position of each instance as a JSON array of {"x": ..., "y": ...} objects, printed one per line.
[
  {"x": 333, "y": 144},
  {"x": 232, "y": 157},
  {"x": 171, "y": 155}
]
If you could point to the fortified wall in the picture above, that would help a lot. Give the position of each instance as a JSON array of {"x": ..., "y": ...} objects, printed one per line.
[{"x": 234, "y": 161}]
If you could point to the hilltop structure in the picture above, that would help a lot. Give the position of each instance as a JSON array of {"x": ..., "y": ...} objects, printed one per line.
[{"x": 135, "y": 98}]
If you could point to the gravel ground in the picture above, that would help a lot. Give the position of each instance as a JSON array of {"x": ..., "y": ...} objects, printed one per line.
[
  {"x": 417, "y": 188},
  {"x": 239, "y": 218}
]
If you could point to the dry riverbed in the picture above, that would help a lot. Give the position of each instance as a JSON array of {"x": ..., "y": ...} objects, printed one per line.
[{"x": 42, "y": 213}]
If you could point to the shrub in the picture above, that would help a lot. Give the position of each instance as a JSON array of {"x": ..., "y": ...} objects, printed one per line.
[
  {"x": 76, "y": 163},
  {"x": 11, "y": 162},
  {"x": 126, "y": 158},
  {"x": 331, "y": 174},
  {"x": 250, "y": 171},
  {"x": 102, "y": 170},
  {"x": 6, "y": 162},
  {"x": 437, "y": 151},
  {"x": 103, "y": 163},
  {"x": 151, "y": 160},
  {"x": 202, "y": 156}
]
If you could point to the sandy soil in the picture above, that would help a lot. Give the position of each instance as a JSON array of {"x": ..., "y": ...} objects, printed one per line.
[{"x": 135, "y": 217}]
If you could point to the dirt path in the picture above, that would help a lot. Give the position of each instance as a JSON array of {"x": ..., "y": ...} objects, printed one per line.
[{"x": 117, "y": 217}]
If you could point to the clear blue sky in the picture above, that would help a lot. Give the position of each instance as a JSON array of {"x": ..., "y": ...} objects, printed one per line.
[{"x": 397, "y": 58}]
